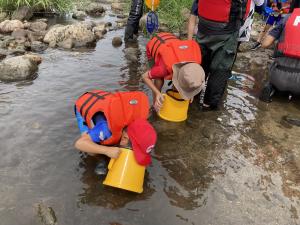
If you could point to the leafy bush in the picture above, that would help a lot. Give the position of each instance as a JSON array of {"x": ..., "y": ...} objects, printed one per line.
[
  {"x": 169, "y": 11},
  {"x": 48, "y": 5}
]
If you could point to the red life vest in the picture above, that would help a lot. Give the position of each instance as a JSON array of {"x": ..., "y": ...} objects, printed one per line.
[
  {"x": 222, "y": 10},
  {"x": 119, "y": 108},
  {"x": 172, "y": 51},
  {"x": 290, "y": 45}
]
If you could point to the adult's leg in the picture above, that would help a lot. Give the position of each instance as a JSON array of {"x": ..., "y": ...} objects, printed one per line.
[
  {"x": 220, "y": 71},
  {"x": 136, "y": 12}
]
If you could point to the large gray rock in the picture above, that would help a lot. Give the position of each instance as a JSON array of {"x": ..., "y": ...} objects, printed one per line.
[
  {"x": 79, "y": 15},
  {"x": 9, "y": 26},
  {"x": 143, "y": 22},
  {"x": 67, "y": 44},
  {"x": 38, "y": 26},
  {"x": 95, "y": 9},
  {"x": 23, "y": 13},
  {"x": 100, "y": 30},
  {"x": 19, "y": 68},
  {"x": 46, "y": 214},
  {"x": 36, "y": 35},
  {"x": 19, "y": 34},
  {"x": 78, "y": 33},
  {"x": 6, "y": 41}
]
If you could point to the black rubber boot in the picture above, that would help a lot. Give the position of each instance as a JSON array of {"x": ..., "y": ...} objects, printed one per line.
[
  {"x": 101, "y": 167},
  {"x": 135, "y": 14},
  {"x": 267, "y": 92},
  {"x": 129, "y": 33}
]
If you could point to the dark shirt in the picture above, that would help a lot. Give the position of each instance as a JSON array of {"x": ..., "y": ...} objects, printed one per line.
[
  {"x": 208, "y": 27},
  {"x": 277, "y": 32}
]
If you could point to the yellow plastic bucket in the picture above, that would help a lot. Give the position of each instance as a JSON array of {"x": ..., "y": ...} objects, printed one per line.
[
  {"x": 174, "y": 107},
  {"x": 125, "y": 173},
  {"x": 149, "y": 4}
]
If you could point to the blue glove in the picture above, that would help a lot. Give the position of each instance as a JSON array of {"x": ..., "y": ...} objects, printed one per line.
[{"x": 81, "y": 123}]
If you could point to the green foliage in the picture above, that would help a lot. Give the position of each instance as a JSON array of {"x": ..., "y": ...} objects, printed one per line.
[
  {"x": 48, "y": 5},
  {"x": 169, "y": 11}
]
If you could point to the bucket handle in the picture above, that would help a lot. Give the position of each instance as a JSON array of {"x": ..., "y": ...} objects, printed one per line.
[
  {"x": 177, "y": 99},
  {"x": 111, "y": 163}
]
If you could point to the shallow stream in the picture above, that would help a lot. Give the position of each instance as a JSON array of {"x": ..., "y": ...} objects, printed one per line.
[{"x": 239, "y": 165}]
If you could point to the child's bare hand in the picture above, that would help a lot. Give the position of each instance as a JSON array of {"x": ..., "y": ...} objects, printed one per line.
[
  {"x": 114, "y": 152},
  {"x": 159, "y": 100}
]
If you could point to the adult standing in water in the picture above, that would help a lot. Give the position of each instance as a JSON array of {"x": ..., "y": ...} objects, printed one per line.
[
  {"x": 135, "y": 14},
  {"x": 218, "y": 29},
  {"x": 284, "y": 74},
  {"x": 108, "y": 121}
]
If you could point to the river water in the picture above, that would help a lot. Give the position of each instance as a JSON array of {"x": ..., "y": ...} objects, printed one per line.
[{"x": 239, "y": 165}]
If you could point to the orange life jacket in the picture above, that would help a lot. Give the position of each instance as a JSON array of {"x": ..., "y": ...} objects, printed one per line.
[
  {"x": 171, "y": 50},
  {"x": 119, "y": 108}
]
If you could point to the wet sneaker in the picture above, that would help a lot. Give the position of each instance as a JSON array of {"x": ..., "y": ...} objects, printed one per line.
[
  {"x": 267, "y": 93},
  {"x": 101, "y": 167},
  {"x": 256, "y": 46}
]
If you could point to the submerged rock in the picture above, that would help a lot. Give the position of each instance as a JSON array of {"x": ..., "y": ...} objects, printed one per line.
[
  {"x": 38, "y": 46},
  {"x": 79, "y": 15},
  {"x": 23, "y": 13},
  {"x": 117, "y": 41},
  {"x": 293, "y": 120},
  {"x": 46, "y": 214},
  {"x": 108, "y": 24},
  {"x": 95, "y": 9},
  {"x": 19, "y": 68},
  {"x": 9, "y": 26},
  {"x": 79, "y": 34}
]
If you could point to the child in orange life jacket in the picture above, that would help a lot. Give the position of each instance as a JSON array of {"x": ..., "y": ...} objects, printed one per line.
[
  {"x": 107, "y": 119},
  {"x": 176, "y": 60}
]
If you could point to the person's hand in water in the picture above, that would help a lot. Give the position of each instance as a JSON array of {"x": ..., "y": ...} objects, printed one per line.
[
  {"x": 159, "y": 100},
  {"x": 114, "y": 152}
]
